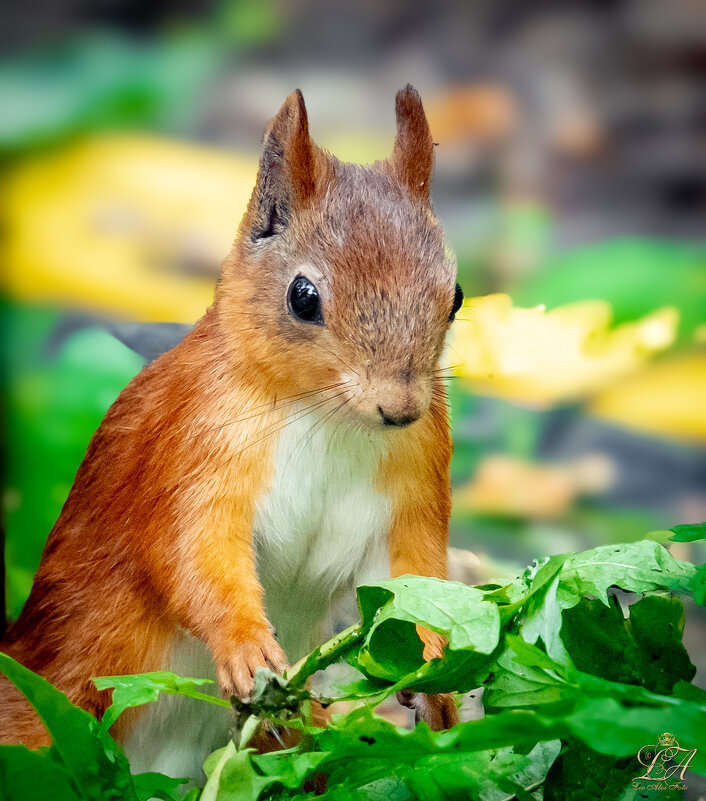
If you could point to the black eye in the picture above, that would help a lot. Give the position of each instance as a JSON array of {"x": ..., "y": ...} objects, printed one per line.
[
  {"x": 304, "y": 302},
  {"x": 458, "y": 301}
]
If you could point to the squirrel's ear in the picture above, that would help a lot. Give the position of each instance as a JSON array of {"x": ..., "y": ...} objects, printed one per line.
[
  {"x": 285, "y": 177},
  {"x": 413, "y": 153}
]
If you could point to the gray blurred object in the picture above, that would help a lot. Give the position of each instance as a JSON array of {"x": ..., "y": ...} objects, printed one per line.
[
  {"x": 148, "y": 340},
  {"x": 648, "y": 471},
  {"x": 651, "y": 471}
]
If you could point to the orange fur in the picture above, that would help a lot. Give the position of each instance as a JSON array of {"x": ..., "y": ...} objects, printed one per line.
[{"x": 156, "y": 534}]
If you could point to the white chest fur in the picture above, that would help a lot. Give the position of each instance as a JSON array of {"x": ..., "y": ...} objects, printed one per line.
[
  {"x": 174, "y": 735},
  {"x": 322, "y": 526}
]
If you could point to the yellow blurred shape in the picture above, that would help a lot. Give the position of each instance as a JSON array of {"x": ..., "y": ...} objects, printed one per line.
[
  {"x": 504, "y": 485},
  {"x": 359, "y": 146},
  {"x": 542, "y": 357},
  {"x": 131, "y": 226},
  {"x": 668, "y": 398}
]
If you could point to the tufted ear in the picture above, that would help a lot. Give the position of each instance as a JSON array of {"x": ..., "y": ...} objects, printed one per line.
[
  {"x": 286, "y": 176},
  {"x": 413, "y": 153}
]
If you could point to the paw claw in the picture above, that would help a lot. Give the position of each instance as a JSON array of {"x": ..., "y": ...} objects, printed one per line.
[{"x": 236, "y": 673}]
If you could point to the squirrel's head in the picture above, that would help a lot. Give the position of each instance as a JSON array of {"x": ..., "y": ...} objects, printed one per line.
[{"x": 339, "y": 281}]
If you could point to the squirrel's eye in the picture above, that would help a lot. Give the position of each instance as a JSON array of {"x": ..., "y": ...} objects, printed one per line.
[
  {"x": 304, "y": 301},
  {"x": 458, "y": 302}
]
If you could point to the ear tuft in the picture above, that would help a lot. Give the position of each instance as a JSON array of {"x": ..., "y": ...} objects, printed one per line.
[
  {"x": 413, "y": 153},
  {"x": 286, "y": 175}
]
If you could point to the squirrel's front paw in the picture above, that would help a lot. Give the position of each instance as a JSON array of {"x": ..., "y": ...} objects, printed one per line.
[
  {"x": 236, "y": 672},
  {"x": 439, "y": 711}
]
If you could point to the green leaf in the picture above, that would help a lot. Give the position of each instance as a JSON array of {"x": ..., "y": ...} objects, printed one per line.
[
  {"x": 483, "y": 774},
  {"x": 543, "y": 621},
  {"x": 539, "y": 577},
  {"x": 87, "y": 752},
  {"x": 34, "y": 775},
  {"x": 581, "y": 774},
  {"x": 142, "y": 688},
  {"x": 698, "y": 586},
  {"x": 516, "y": 683},
  {"x": 352, "y": 734},
  {"x": 635, "y": 567},
  {"x": 447, "y": 607},
  {"x": 539, "y": 761},
  {"x": 610, "y": 717},
  {"x": 389, "y": 788},
  {"x": 391, "y": 610},
  {"x": 689, "y": 532},
  {"x": 234, "y": 778},
  {"x": 610, "y": 727},
  {"x": 363, "y": 753},
  {"x": 644, "y": 649},
  {"x": 457, "y": 671},
  {"x": 157, "y": 785},
  {"x": 337, "y": 648},
  {"x": 289, "y": 768},
  {"x": 689, "y": 692}
]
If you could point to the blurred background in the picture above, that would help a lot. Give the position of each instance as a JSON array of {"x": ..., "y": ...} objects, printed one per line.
[{"x": 570, "y": 177}]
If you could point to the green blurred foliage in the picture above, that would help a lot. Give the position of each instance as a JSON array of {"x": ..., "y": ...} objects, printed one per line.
[
  {"x": 102, "y": 81},
  {"x": 52, "y": 405},
  {"x": 636, "y": 276},
  {"x": 249, "y": 22}
]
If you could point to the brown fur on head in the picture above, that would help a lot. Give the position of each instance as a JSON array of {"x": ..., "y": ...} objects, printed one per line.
[{"x": 368, "y": 240}]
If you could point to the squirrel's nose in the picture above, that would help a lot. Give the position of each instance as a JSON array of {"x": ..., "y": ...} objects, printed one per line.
[{"x": 397, "y": 419}]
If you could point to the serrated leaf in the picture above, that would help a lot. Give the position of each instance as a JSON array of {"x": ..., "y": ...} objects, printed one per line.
[
  {"x": 519, "y": 682},
  {"x": 540, "y": 578},
  {"x": 362, "y": 750},
  {"x": 391, "y": 611},
  {"x": 143, "y": 688},
  {"x": 644, "y": 649},
  {"x": 447, "y": 607},
  {"x": 634, "y": 567}
]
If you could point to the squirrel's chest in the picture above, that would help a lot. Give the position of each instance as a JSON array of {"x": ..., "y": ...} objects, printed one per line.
[{"x": 322, "y": 523}]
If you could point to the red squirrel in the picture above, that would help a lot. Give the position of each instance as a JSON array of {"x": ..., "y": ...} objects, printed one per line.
[{"x": 293, "y": 442}]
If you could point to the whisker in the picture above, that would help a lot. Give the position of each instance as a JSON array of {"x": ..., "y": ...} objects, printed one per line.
[
  {"x": 326, "y": 417},
  {"x": 256, "y": 411},
  {"x": 281, "y": 424},
  {"x": 450, "y": 367},
  {"x": 335, "y": 429},
  {"x": 308, "y": 435}
]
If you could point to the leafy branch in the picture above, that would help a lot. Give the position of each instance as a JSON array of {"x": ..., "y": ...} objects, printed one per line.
[{"x": 574, "y": 686}]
